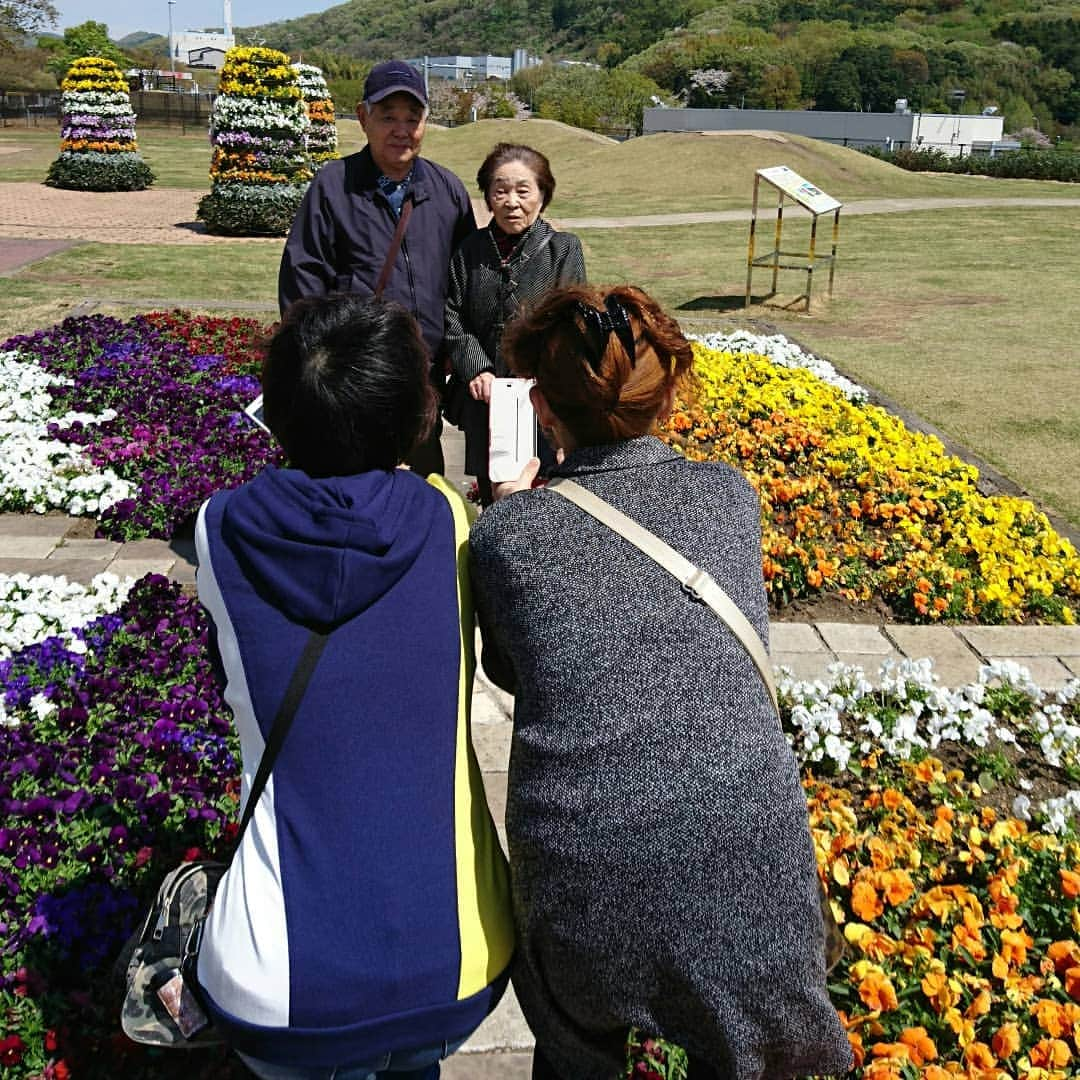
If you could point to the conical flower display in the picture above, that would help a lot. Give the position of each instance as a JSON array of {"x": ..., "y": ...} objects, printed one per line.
[
  {"x": 322, "y": 131},
  {"x": 260, "y": 165},
  {"x": 98, "y": 151}
]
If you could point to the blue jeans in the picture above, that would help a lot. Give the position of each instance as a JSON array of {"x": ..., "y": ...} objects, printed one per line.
[{"x": 420, "y": 1064}]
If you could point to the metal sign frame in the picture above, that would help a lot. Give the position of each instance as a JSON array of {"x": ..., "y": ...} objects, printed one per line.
[{"x": 816, "y": 202}]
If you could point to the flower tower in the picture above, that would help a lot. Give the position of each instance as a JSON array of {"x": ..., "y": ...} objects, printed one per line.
[
  {"x": 322, "y": 131},
  {"x": 258, "y": 128},
  {"x": 98, "y": 151}
]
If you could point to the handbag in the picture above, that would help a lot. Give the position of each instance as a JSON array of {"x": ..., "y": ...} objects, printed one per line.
[
  {"x": 159, "y": 959},
  {"x": 699, "y": 585}
]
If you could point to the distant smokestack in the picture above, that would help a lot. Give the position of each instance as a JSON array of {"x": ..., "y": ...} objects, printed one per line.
[{"x": 227, "y": 18}]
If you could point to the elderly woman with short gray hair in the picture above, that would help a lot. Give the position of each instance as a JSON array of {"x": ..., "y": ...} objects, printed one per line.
[{"x": 495, "y": 273}]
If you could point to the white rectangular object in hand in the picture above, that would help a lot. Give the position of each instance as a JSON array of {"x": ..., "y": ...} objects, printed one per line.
[{"x": 512, "y": 429}]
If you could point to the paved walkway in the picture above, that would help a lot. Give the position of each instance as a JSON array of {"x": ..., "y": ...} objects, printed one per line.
[{"x": 167, "y": 215}]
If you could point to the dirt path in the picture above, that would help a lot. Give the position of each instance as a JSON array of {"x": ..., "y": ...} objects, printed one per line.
[
  {"x": 30, "y": 211},
  {"x": 861, "y": 206}
]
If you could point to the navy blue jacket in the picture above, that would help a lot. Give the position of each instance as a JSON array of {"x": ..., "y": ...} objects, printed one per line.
[
  {"x": 366, "y": 909},
  {"x": 343, "y": 229}
]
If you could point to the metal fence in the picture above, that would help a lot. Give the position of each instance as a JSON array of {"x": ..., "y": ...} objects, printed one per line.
[{"x": 29, "y": 108}]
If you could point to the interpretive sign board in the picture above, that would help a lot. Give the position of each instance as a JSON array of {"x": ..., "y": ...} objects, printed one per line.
[{"x": 789, "y": 184}]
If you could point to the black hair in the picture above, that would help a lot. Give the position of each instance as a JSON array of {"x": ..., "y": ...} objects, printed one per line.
[{"x": 346, "y": 386}]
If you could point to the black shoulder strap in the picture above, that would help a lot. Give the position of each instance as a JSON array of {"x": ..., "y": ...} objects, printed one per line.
[{"x": 301, "y": 676}]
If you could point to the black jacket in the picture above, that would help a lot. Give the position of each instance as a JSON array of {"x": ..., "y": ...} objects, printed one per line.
[{"x": 343, "y": 229}]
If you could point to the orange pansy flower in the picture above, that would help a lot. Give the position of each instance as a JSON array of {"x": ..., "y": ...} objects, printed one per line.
[
  {"x": 1064, "y": 954},
  {"x": 1050, "y": 1017},
  {"x": 877, "y": 992},
  {"x": 1070, "y": 882},
  {"x": 865, "y": 901},
  {"x": 979, "y": 1055},
  {"x": 1006, "y": 1040},
  {"x": 1050, "y": 1054},
  {"x": 920, "y": 1044},
  {"x": 896, "y": 885}
]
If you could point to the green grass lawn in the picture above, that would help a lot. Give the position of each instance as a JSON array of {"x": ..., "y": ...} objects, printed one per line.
[
  {"x": 962, "y": 316},
  {"x": 595, "y": 175}
]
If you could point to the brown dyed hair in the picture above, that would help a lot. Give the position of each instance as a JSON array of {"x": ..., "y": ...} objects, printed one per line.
[
  {"x": 618, "y": 398},
  {"x": 533, "y": 160}
]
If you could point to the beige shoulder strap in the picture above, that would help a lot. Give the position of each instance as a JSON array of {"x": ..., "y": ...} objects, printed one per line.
[{"x": 694, "y": 581}]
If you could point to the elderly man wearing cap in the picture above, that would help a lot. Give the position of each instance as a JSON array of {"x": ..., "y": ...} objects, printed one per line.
[{"x": 383, "y": 220}]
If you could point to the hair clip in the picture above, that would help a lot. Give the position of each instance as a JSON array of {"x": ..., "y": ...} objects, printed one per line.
[{"x": 599, "y": 325}]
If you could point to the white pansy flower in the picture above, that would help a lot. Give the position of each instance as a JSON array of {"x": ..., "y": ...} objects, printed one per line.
[
  {"x": 784, "y": 353},
  {"x": 34, "y": 608},
  {"x": 40, "y": 473}
]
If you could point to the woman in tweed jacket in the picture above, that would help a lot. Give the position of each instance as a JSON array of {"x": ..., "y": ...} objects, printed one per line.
[
  {"x": 662, "y": 868},
  {"x": 495, "y": 273}
]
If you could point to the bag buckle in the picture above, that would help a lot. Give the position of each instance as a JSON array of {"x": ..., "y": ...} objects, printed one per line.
[{"x": 694, "y": 584}]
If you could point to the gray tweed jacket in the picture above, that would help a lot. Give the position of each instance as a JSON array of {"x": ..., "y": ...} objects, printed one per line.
[{"x": 663, "y": 871}]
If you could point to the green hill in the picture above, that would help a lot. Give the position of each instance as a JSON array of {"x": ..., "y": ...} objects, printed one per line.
[{"x": 1021, "y": 57}]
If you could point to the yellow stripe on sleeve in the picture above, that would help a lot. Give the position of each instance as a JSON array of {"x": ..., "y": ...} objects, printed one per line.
[{"x": 485, "y": 921}]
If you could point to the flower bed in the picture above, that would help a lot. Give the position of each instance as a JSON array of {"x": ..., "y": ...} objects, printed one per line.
[
  {"x": 98, "y": 151},
  {"x": 322, "y": 137},
  {"x": 258, "y": 128},
  {"x": 166, "y": 431},
  {"x": 854, "y": 502},
  {"x": 117, "y": 759}
]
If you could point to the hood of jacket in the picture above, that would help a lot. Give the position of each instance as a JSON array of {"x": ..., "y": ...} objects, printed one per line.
[{"x": 323, "y": 550}]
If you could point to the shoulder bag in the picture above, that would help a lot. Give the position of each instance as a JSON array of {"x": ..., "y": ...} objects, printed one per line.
[{"x": 161, "y": 1005}]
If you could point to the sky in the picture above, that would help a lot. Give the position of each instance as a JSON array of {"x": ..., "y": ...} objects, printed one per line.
[{"x": 123, "y": 17}]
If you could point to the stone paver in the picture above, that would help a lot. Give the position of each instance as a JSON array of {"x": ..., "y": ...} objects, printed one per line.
[
  {"x": 138, "y": 568},
  {"x": 954, "y": 663},
  {"x": 787, "y": 637},
  {"x": 854, "y": 638},
  {"x": 491, "y": 742},
  {"x": 41, "y": 525},
  {"x": 82, "y": 571},
  {"x": 805, "y": 666},
  {"x": 869, "y": 662},
  {"x": 1023, "y": 640},
  {"x": 96, "y": 550},
  {"x": 495, "y": 1066},
  {"x": 1047, "y": 672},
  {"x": 26, "y": 547},
  {"x": 15, "y": 253},
  {"x": 1072, "y": 663},
  {"x": 504, "y": 1029}
]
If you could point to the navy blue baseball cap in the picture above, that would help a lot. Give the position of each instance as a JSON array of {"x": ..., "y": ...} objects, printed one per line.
[{"x": 394, "y": 77}]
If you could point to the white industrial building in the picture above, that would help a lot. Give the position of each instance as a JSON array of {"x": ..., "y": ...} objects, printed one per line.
[
  {"x": 464, "y": 69},
  {"x": 198, "y": 48},
  {"x": 954, "y": 134},
  {"x": 474, "y": 69}
]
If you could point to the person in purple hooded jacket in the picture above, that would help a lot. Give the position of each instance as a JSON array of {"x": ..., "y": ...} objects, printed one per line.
[
  {"x": 344, "y": 228},
  {"x": 362, "y": 927}
]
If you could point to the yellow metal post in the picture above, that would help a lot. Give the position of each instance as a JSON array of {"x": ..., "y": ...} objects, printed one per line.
[
  {"x": 810, "y": 260},
  {"x": 776, "y": 249},
  {"x": 750, "y": 249},
  {"x": 835, "y": 241}
]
